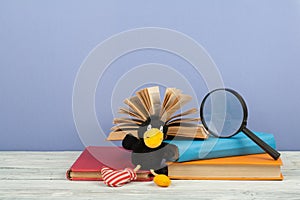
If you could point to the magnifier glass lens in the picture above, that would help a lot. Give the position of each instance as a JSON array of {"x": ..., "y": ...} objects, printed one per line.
[{"x": 222, "y": 113}]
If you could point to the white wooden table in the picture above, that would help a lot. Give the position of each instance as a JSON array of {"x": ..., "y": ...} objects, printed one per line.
[{"x": 41, "y": 175}]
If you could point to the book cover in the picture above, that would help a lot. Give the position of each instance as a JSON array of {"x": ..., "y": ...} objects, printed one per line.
[
  {"x": 214, "y": 147},
  {"x": 248, "y": 167},
  {"x": 88, "y": 165}
]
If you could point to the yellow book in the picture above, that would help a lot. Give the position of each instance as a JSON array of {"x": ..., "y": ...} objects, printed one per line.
[{"x": 248, "y": 167}]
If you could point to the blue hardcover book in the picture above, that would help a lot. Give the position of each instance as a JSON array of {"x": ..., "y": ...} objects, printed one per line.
[{"x": 214, "y": 147}]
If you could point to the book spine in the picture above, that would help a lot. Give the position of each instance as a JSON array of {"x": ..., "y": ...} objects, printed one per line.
[{"x": 68, "y": 174}]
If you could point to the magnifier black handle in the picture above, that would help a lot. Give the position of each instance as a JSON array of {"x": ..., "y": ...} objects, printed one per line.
[{"x": 272, "y": 152}]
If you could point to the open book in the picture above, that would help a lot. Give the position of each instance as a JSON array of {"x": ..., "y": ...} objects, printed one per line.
[{"x": 147, "y": 103}]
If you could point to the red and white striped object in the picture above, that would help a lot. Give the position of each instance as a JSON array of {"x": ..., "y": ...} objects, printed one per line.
[{"x": 117, "y": 178}]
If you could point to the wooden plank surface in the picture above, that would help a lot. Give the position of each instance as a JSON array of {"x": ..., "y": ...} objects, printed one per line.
[{"x": 41, "y": 175}]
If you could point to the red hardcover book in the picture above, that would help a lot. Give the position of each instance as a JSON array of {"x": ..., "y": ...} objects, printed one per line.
[{"x": 88, "y": 165}]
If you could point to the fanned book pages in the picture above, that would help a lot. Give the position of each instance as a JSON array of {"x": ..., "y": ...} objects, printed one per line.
[{"x": 147, "y": 103}]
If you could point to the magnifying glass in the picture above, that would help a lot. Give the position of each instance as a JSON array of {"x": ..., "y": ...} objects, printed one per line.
[{"x": 224, "y": 113}]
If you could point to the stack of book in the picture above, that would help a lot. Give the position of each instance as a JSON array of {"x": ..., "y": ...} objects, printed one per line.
[
  {"x": 236, "y": 158},
  {"x": 200, "y": 157}
]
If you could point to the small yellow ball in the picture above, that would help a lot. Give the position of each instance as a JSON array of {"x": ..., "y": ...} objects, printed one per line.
[{"x": 162, "y": 180}]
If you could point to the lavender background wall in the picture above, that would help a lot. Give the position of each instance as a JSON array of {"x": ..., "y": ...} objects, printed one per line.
[{"x": 255, "y": 45}]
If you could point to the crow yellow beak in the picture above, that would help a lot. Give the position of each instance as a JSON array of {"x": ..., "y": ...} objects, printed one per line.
[{"x": 153, "y": 138}]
